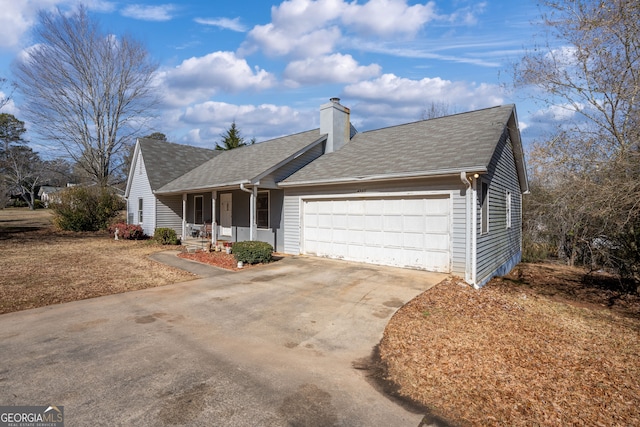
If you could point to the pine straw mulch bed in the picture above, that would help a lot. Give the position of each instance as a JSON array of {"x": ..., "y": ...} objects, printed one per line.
[
  {"x": 220, "y": 259},
  {"x": 546, "y": 345}
]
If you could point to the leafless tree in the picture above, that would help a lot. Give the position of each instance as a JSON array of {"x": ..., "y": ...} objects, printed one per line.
[
  {"x": 589, "y": 168},
  {"x": 6, "y": 97},
  {"x": 436, "y": 109},
  {"x": 87, "y": 90}
]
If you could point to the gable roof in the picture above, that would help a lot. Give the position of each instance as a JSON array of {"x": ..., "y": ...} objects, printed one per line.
[
  {"x": 440, "y": 146},
  {"x": 166, "y": 161},
  {"x": 246, "y": 164}
]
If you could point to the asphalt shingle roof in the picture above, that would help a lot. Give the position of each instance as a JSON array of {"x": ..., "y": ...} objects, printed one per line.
[
  {"x": 166, "y": 161},
  {"x": 458, "y": 142},
  {"x": 243, "y": 164}
]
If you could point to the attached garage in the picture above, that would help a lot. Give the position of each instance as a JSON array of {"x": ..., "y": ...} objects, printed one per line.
[{"x": 411, "y": 231}]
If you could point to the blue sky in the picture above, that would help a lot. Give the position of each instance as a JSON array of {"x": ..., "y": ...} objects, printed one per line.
[{"x": 270, "y": 65}]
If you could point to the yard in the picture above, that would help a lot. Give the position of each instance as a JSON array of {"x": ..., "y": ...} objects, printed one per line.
[
  {"x": 41, "y": 266},
  {"x": 543, "y": 346}
]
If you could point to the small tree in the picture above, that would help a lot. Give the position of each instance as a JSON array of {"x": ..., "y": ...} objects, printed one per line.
[
  {"x": 85, "y": 208},
  {"x": 231, "y": 139},
  {"x": 21, "y": 169},
  {"x": 157, "y": 135}
]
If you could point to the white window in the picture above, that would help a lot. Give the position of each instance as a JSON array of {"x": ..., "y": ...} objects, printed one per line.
[
  {"x": 140, "y": 205},
  {"x": 484, "y": 207},
  {"x": 262, "y": 209},
  {"x": 508, "y": 208}
]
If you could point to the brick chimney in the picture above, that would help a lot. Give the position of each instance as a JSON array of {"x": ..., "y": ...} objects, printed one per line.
[{"x": 334, "y": 121}]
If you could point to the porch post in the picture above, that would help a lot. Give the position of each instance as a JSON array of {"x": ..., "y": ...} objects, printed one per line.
[
  {"x": 184, "y": 216},
  {"x": 214, "y": 225}
]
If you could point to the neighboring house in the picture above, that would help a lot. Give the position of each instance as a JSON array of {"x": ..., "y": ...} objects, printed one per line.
[
  {"x": 47, "y": 193},
  {"x": 443, "y": 194}
]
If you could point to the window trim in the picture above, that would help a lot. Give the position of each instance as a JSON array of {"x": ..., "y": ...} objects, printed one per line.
[
  {"x": 484, "y": 207},
  {"x": 140, "y": 210},
  {"x": 508, "y": 212},
  {"x": 268, "y": 209}
]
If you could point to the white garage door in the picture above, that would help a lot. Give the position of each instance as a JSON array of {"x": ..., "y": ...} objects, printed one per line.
[{"x": 403, "y": 232}]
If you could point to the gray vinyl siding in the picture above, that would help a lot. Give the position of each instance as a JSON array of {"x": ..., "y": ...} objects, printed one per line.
[
  {"x": 169, "y": 213},
  {"x": 459, "y": 235},
  {"x": 140, "y": 188},
  {"x": 452, "y": 186},
  {"x": 500, "y": 245}
]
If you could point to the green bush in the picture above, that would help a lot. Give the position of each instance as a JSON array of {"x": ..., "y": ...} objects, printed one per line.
[
  {"x": 85, "y": 208},
  {"x": 252, "y": 252},
  {"x": 166, "y": 236}
]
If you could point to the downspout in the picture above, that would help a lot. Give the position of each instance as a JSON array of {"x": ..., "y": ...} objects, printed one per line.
[
  {"x": 468, "y": 250},
  {"x": 252, "y": 207},
  {"x": 184, "y": 216},
  {"x": 214, "y": 223}
]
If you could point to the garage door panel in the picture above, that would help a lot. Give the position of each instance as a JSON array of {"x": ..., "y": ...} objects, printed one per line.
[
  {"x": 437, "y": 224},
  {"x": 436, "y": 241},
  {"x": 414, "y": 241},
  {"x": 406, "y": 232},
  {"x": 392, "y": 223},
  {"x": 325, "y": 221},
  {"x": 414, "y": 223},
  {"x": 373, "y": 222},
  {"x": 373, "y": 238}
]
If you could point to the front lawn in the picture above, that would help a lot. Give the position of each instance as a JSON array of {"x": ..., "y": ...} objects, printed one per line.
[{"x": 41, "y": 266}]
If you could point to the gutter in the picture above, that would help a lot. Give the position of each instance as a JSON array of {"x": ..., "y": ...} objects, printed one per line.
[{"x": 386, "y": 177}]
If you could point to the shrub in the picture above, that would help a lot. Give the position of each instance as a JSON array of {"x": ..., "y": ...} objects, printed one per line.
[
  {"x": 166, "y": 236},
  {"x": 127, "y": 231},
  {"x": 252, "y": 252},
  {"x": 85, "y": 208}
]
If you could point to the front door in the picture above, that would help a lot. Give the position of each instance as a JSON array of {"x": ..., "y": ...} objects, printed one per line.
[{"x": 225, "y": 214}]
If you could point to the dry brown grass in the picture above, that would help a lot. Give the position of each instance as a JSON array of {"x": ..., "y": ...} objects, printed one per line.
[
  {"x": 41, "y": 266},
  {"x": 539, "y": 348}
]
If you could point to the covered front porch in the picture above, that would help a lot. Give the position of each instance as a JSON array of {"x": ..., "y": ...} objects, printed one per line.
[{"x": 231, "y": 215}]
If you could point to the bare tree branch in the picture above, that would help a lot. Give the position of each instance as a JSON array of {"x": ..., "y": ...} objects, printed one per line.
[{"x": 88, "y": 91}]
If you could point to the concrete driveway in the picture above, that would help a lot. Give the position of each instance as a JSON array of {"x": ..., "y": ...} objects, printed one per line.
[{"x": 268, "y": 346}]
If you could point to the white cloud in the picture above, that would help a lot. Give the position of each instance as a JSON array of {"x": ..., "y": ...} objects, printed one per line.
[
  {"x": 149, "y": 13},
  {"x": 558, "y": 112},
  {"x": 468, "y": 15},
  {"x": 306, "y": 28},
  {"x": 390, "y": 99},
  {"x": 224, "y": 23},
  {"x": 199, "y": 78},
  {"x": 277, "y": 41},
  {"x": 388, "y": 17},
  {"x": 208, "y": 120},
  {"x": 392, "y": 88},
  {"x": 17, "y": 17},
  {"x": 336, "y": 68}
]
